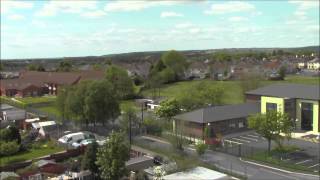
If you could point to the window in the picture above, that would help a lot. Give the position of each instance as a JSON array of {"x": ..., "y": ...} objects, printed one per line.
[
  {"x": 271, "y": 107},
  {"x": 233, "y": 125},
  {"x": 241, "y": 124}
]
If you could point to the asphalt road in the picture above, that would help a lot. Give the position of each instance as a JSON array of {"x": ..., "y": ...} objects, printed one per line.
[{"x": 234, "y": 164}]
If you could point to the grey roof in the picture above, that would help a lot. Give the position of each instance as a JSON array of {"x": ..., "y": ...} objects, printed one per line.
[
  {"x": 139, "y": 163},
  {"x": 301, "y": 91},
  {"x": 220, "y": 113}
]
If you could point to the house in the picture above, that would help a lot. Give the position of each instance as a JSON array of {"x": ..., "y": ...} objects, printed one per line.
[
  {"x": 33, "y": 83},
  {"x": 199, "y": 173},
  {"x": 9, "y": 175},
  {"x": 300, "y": 102},
  {"x": 12, "y": 115},
  {"x": 314, "y": 64},
  {"x": 210, "y": 122}
]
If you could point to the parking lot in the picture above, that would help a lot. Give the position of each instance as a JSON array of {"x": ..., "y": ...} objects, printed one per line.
[{"x": 305, "y": 156}]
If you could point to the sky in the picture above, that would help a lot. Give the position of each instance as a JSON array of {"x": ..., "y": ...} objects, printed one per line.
[{"x": 68, "y": 28}]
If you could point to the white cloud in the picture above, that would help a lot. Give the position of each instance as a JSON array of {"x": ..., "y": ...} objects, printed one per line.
[
  {"x": 307, "y": 4},
  {"x": 94, "y": 14},
  {"x": 230, "y": 7},
  {"x": 184, "y": 25},
  {"x": 39, "y": 24},
  {"x": 194, "y": 30},
  {"x": 170, "y": 14},
  {"x": 15, "y": 17},
  {"x": 122, "y": 6},
  {"x": 237, "y": 19},
  {"x": 9, "y": 5},
  {"x": 52, "y": 8}
]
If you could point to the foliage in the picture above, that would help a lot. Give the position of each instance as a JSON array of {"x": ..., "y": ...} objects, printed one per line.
[
  {"x": 270, "y": 125},
  {"x": 152, "y": 126},
  {"x": 111, "y": 157},
  {"x": 9, "y": 148},
  {"x": 89, "y": 158},
  {"x": 158, "y": 173},
  {"x": 35, "y": 67},
  {"x": 282, "y": 72},
  {"x": 97, "y": 67},
  {"x": 141, "y": 175},
  {"x": 249, "y": 82},
  {"x": 201, "y": 148},
  {"x": 10, "y": 134},
  {"x": 129, "y": 114},
  {"x": 175, "y": 61},
  {"x": 64, "y": 66},
  {"x": 121, "y": 81},
  {"x": 222, "y": 56},
  {"x": 168, "y": 109}
]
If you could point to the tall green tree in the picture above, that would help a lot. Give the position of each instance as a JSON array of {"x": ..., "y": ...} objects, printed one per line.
[
  {"x": 176, "y": 62},
  {"x": 112, "y": 156},
  {"x": 168, "y": 109},
  {"x": 270, "y": 125},
  {"x": 282, "y": 72},
  {"x": 64, "y": 66},
  {"x": 121, "y": 81},
  {"x": 90, "y": 157}
]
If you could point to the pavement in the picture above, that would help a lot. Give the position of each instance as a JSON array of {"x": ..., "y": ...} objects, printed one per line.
[{"x": 234, "y": 164}]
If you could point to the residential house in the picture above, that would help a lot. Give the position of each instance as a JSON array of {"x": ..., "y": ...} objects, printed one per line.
[
  {"x": 301, "y": 102},
  {"x": 12, "y": 115},
  {"x": 45, "y": 128},
  {"x": 210, "y": 122},
  {"x": 314, "y": 64},
  {"x": 199, "y": 173}
]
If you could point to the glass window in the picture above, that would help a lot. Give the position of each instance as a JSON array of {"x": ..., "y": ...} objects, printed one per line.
[{"x": 271, "y": 106}]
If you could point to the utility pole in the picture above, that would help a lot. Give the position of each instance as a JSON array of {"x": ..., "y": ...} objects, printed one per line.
[{"x": 130, "y": 138}]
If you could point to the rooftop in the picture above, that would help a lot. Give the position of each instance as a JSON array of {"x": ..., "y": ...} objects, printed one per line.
[
  {"x": 299, "y": 91},
  {"x": 197, "y": 174},
  {"x": 220, "y": 113}
]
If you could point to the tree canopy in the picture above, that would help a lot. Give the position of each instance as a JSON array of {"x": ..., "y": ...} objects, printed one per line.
[
  {"x": 89, "y": 158},
  {"x": 121, "y": 81},
  {"x": 35, "y": 67},
  {"x": 168, "y": 109},
  {"x": 112, "y": 156},
  {"x": 64, "y": 66}
]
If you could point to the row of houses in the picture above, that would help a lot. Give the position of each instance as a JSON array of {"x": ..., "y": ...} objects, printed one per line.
[
  {"x": 33, "y": 83},
  {"x": 300, "y": 102},
  {"x": 310, "y": 65}
]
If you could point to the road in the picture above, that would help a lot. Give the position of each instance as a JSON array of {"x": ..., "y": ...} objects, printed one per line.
[{"x": 234, "y": 164}]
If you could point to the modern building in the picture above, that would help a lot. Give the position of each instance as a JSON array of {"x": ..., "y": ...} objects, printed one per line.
[
  {"x": 300, "y": 102},
  {"x": 210, "y": 122}
]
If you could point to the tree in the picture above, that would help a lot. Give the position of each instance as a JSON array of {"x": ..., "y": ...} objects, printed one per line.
[
  {"x": 129, "y": 120},
  {"x": 282, "y": 72},
  {"x": 64, "y": 66},
  {"x": 112, "y": 156},
  {"x": 249, "y": 82},
  {"x": 158, "y": 173},
  {"x": 121, "y": 81},
  {"x": 35, "y": 67},
  {"x": 176, "y": 62},
  {"x": 10, "y": 134},
  {"x": 61, "y": 101},
  {"x": 168, "y": 109},
  {"x": 270, "y": 125},
  {"x": 101, "y": 103},
  {"x": 89, "y": 158}
]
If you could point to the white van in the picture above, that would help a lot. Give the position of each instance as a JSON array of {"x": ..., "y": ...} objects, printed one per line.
[{"x": 71, "y": 138}]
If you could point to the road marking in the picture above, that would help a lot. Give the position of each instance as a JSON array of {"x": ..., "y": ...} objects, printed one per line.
[
  {"x": 313, "y": 165},
  {"x": 227, "y": 140},
  {"x": 301, "y": 162},
  {"x": 250, "y": 135},
  {"x": 249, "y": 138},
  {"x": 241, "y": 140}
]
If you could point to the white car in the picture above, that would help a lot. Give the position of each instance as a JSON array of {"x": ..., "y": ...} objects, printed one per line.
[
  {"x": 71, "y": 138},
  {"x": 82, "y": 142}
]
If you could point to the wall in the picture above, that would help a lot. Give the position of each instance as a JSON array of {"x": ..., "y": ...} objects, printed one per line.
[
  {"x": 276, "y": 100},
  {"x": 315, "y": 114}
]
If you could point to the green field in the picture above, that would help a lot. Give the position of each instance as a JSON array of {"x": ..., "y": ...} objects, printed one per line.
[
  {"x": 233, "y": 92},
  {"x": 37, "y": 100},
  {"x": 50, "y": 109},
  {"x": 30, "y": 154}
]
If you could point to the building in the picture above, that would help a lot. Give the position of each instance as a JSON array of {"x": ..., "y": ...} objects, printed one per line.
[
  {"x": 210, "y": 122},
  {"x": 45, "y": 128},
  {"x": 34, "y": 83},
  {"x": 12, "y": 115},
  {"x": 314, "y": 64},
  {"x": 301, "y": 102}
]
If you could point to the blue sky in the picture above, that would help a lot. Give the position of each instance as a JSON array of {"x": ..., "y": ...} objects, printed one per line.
[{"x": 39, "y": 29}]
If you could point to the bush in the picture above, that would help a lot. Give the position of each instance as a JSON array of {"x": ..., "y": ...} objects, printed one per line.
[
  {"x": 285, "y": 149},
  {"x": 10, "y": 134},
  {"x": 8, "y": 148},
  {"x": 201, "y": 148},
  {"x": 152, "y": 126}
]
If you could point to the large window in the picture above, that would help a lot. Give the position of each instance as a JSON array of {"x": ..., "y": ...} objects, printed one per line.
[
  {"x": 306, "y": 116},
  {"x": 271, "y": 107}
]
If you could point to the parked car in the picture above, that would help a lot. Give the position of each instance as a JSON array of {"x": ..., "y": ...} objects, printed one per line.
[
  {"x": 75, "y": 137},
  {"x": 83, "y": 142}
]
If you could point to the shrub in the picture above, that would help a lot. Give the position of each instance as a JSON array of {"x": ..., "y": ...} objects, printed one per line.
[
  {"x": 201, "y": 148},
  {"x": 9, "y": 148},
  {"x": 152, "y": 126}
]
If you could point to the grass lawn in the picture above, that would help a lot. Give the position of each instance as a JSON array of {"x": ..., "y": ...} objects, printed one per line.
[
  {"x": 233, "y": 92},
  {"x": 50, "y": 109},
  {"x": 36, "y": 100},
  {"x": 30, "y": 154}
]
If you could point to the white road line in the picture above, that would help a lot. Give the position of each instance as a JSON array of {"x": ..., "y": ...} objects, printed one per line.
[
  {"x": 235, "y": 142},
  {"x": 313, "y": 165},
  {"x": 249, "y": 138},
  {"x": 241, "y": 140},
  {"x": 250, "y": 135},
  {"x": 301, "y": 162}
]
